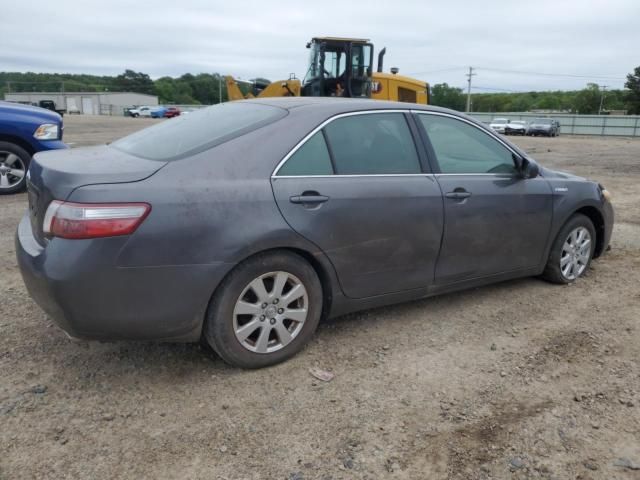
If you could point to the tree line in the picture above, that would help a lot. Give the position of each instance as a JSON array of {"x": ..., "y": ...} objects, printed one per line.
[
  {"x": 209, "y": 88},
  {"x": 203, "y": 88},
  {"x": 585, "y": 101}
]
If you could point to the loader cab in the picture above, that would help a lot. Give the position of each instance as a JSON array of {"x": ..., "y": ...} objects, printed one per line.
[{"x": 338, "y": 67}]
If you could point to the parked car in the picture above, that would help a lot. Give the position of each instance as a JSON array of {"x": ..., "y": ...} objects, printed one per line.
[
  {"x": 171, "y": 112},
  {"x": 544, "y": 126},
  {"x": 499, "y": 124},
  {"x": 251, "y": 230},
  {"x": 158, "y": 112},
  {"x": 516, "y": 127},
  {"x": 51, "y": 105},
  {"x": 140, "y": 111},
  {"x": 24, "y": 130}
]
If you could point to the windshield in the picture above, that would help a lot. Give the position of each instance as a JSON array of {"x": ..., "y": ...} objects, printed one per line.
[
  {"x": 335, "y": 60},
  {"x": 200, "y": 130},
  {"x": 313, "y": 69},
  {"x": 542, "y": 121}
]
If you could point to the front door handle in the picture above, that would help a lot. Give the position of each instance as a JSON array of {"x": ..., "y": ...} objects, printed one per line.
[
  {"x": 308, "y": 198},
  {"x": 458, "y": 194}
]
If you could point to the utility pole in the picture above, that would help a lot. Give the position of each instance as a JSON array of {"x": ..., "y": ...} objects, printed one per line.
[
  {"x": 603, "y": 87},
  {"x": 469, "y": 75}
]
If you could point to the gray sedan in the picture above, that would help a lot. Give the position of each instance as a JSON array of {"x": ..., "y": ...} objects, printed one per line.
[{"x": 246, "y": 223}]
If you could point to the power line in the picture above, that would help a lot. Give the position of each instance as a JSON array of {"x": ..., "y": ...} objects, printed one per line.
[
  {"x": 496, "y": 89},
  {"x": 544, "y": 74},
  {"x": 437, "y": 71}
]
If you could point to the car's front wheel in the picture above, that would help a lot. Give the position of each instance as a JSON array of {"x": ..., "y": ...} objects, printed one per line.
[
  {"x": 265, "y": 311},
  {"x": 572, "y": 250},
  {"x": 14, "y": 163}
]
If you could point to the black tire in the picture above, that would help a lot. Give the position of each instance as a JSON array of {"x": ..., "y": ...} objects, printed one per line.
[
  {"x": 552, "y": 271},
  {"x": 219, "y": 323},
  {"x": 24, "y": 156}
]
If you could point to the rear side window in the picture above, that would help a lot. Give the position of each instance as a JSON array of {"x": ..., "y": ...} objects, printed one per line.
[
  {"x": 198, "y": 131},
  {"x": 312, "y": 158},
  {"x": 377, "y": 143}
]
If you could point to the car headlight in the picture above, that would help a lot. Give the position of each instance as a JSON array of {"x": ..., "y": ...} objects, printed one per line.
[
  {"x": 606, "y": 194},
  {"x": 47, "y": 131}
]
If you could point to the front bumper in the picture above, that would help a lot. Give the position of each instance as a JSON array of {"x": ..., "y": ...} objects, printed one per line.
[
  {"x": 539, "y": 131},
  {"x": 80, "y": 286},
  {"x": 609, "y": 218},
  {"x": 44, "y": 145}
]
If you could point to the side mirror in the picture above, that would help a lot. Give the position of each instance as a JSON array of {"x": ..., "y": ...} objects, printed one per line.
[{"x": 529, "y": 169}]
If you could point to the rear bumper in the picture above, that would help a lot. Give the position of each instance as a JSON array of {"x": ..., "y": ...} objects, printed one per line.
[{"x": 79, "y": 285}]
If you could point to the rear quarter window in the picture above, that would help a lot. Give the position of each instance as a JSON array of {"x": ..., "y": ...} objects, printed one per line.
[{"x": 198, "y": 131}]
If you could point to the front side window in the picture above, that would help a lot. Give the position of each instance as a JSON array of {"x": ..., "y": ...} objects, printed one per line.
[
  {"x": 377, "y": 143},
  {"x": 463, "y": 148}
]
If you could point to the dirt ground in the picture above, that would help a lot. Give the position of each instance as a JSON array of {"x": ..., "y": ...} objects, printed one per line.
[{"x": 518, "y": 380}]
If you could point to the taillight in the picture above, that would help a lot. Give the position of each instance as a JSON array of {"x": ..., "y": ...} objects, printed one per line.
[{"x": 93, "y": 220}]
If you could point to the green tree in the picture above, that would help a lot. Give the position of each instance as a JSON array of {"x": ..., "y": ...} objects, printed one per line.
[
  {"x": 632, "y": 97},
  {"x": 442, "y": 95},
  {"x": 587, "y": 101},
  {"x": 131, "y": 81}
]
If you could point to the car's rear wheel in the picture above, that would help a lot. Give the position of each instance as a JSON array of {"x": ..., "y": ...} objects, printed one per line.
[
  {"x": 14, "y": 163},
  {"x": 265, "y": 311},
  {"x": 572, "y": 251}
]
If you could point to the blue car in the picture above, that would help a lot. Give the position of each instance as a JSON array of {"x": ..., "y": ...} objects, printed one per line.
[
  {"x": 24, "y": 131},
  {"x": 158, "y": 112}
]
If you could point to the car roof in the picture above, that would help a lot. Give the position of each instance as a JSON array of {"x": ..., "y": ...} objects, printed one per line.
[
  {"x": 335, "y": 105},
  {"x": 313, "y": 110}
]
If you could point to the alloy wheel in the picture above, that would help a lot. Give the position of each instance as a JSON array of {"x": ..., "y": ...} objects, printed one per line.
[
  {"x": 270, "y": 312},
  {"x": 12, "y": 170},
  {"x": 576, "y": 252}
]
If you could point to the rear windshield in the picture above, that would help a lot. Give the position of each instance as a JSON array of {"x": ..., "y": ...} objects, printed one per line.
[
  {"x": 198, "y": 131},
  {"x": 542, "y": 121},
  {"x": 499, "y": 120}
]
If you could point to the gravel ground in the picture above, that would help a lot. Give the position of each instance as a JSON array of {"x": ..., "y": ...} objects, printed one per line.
[{"x": 518, "y": 380}]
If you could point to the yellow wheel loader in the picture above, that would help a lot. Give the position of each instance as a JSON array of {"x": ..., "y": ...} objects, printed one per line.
[{"x": 341, "y": 67}]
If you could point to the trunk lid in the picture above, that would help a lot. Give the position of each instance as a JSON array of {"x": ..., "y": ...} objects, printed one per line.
[{"x": 53, "y": 175}]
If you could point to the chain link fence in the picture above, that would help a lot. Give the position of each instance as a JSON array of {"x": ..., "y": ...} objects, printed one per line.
[{"x": 615, "y": 125}]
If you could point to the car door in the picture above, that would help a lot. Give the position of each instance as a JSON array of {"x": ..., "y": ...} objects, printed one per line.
[
  {"x": 495, "y": 220},
  {"x": 356, "y": 188}
]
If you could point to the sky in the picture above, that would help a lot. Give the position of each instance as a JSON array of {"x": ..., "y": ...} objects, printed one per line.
[{"x": 512, "y": 45}]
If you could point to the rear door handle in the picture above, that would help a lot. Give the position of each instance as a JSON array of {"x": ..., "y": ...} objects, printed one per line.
[
  {"x": 458, "y": 195},
  {"x": 309, "y": 198}
]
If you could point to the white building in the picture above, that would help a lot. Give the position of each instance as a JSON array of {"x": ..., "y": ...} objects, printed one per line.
[{"x": 89, "y": 103}]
